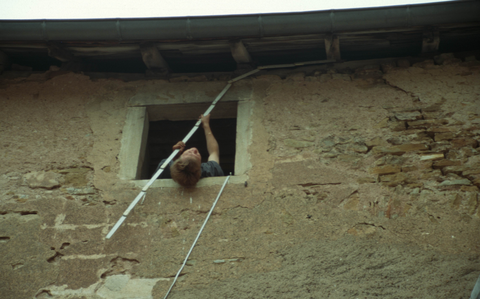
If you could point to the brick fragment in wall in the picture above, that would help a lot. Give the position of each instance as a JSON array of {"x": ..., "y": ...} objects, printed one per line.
[
  {"x": 420, "y": 137},
  {"x": 434, "y": 107},
  {"x": 297, "y": 143},
  {"x": 426, "y": 123},
  {"x": 461, "y": 142},
  {"x": 414, "y": 115},
  {"x": 407, "y": 168},
  {"x": 386, "y": 169},
  {"x": 384, "y": 123},
  {"x": 444, "y": 136},
  {"x": 458, "y": 170},
  {"x": 471, "y": 188},
  {"x": 441, "y": 129},
  {"x": 475, "y": 170},
  {"x": 42, "y": 179},
  {"x": 460, "y": 153},
  {"x": 432, "y": 156},
  {"x": 455, "y": 182},
  {"x": 393, "y": 180},
  {"x": 455, "y": 201},
  {"x": 389, "y": 159},
  {"x": 433, "y": 115},
  {"x": 475, "y": 179},
  {"x": 441, "y": 146},
  {"x": 400, "y": 149},
  {"x": 444, "y": 163},
  {"x": 397, "y": 126},
  {"x": 471, "y": 202},
  {"x": 425, "y": 165},
  {"x": 434, "y": 175},
  {"x": 377, "y": 141}
]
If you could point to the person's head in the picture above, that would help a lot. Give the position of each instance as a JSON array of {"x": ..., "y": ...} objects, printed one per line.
[{"x": 186, "y": 170}]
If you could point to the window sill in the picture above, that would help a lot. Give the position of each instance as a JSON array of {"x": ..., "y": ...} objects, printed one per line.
[{"x": 169, "y": 183}]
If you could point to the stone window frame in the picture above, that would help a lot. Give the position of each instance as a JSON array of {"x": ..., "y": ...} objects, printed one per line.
[{"x": 135, "y": 131}]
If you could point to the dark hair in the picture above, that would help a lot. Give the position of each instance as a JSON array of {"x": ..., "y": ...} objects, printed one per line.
[{"x": 186, "y": 171}]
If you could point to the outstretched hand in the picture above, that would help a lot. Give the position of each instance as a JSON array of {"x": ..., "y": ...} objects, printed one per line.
[
  {"x": 180, "y": 146},
  {"x": 205, "y": 120}
]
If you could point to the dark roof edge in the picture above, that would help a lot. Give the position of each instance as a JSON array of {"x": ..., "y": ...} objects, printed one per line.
[{"x": 242, "y": 26}]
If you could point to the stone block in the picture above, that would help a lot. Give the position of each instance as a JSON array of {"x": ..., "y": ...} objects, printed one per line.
[
  {"x": 42, "y": 179},
  {"x": 365, "y": 180},
  {"x": 461, "y": 142},
  {"x": 455, "y": 201},
  {"x": 455, "y": 182},
  {"x": 471, "y": 202},
  {"x": 458, "y": 170},
  {"x": 377, "y": 141},
  {"x": 469, "y": 188},
  {"x": 389, "y": 159},
  {"x": 426, "y": 123},
  {"x": 298, "y": 143},
  {"x": 432, "y": 157},
  {"x": 445, "y": 163},
  {"x": 407, "y": 168},
  {"x": 393, "y": 180},
  {"x": 386, "y": 169},
  {"x": 441, "y": 129},
  {"x": 444, "y": 136},
  {"x": 431, "y": 175},
  {"x": 400, "y": 149},
  {"x": 397, "y": 126},
  {"x": 441, "y": 146},
  {"x": 382, "y": 124},
  {"x": 414, "y": 115},
  {"x": 411, "y": 147},
  {"x": 358, "y": 148}
]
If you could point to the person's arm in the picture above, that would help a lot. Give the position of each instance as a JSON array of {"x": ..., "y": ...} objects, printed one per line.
[{"x": 212, "y": 144}]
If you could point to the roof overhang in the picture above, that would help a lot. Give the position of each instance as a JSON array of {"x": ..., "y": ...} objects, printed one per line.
[{"x": 229, "y": 42}]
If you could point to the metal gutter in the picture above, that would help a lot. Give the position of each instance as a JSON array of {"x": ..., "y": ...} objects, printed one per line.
[{"x": 241, "y": 26}]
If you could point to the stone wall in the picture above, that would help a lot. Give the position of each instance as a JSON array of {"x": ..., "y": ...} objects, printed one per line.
[{"x": 382, "y": 156}]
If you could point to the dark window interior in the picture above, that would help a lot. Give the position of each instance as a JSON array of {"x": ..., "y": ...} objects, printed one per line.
[{"x": 163, "y": 134}]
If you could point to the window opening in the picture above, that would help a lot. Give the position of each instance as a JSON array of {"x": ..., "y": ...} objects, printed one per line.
[{"x": 169, "y": 124}]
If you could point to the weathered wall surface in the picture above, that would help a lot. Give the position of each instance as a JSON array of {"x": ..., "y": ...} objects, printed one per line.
[{"x": 363, "y": 183}]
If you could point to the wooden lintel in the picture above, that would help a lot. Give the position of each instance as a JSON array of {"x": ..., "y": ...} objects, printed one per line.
[
  {"x": 153, "y": 59},
  {"x": 332, "y": 47},
  {"x": 240, "y": 53},
  {"x": 59, "y": 53},
  {"x": 431, "y": 41}
]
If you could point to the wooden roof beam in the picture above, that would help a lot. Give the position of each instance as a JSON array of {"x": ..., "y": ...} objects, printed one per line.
[
  {"x": 332, "y": 47},
  {"x": 241, "y": 55},
  {"x": 60, "y": 53},
  {"x": 153, "y": 59},
  {"x": 431, "y": 40}
]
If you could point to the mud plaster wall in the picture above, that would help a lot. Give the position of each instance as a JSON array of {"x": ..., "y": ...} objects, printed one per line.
[{"x": 363, "y": 183}]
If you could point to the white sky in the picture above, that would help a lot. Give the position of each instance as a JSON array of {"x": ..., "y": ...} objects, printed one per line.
[{"x": 87, "y": 9}]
